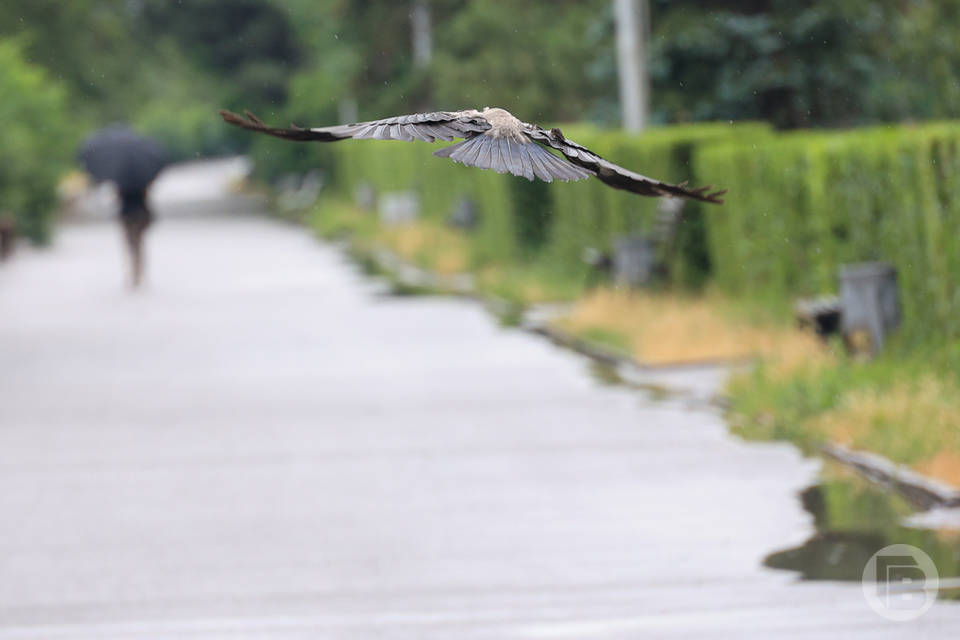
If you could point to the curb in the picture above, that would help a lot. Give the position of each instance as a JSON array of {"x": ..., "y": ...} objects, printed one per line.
[{"x": 921, "y": 491}]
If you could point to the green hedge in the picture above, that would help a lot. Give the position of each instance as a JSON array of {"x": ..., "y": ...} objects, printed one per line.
[
  {"x": 800, "y": 205},
  {"x": 591, "y": 214},
  {"x": 804, "y": 203},
  {"x": 574, "y": 215},
  {"x": 36, "y": 142}
]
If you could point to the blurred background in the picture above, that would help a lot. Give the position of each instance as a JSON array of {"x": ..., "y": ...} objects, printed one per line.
[
  {"x": 818, "y": 308},
  {"x": 163, "y": 66}
]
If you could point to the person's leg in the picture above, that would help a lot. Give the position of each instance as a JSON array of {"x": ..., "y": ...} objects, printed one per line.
[
  {"x": 7, "y": 237},
  {"x": 133, "y": 231},
  {"x": 136, "y": 218}
]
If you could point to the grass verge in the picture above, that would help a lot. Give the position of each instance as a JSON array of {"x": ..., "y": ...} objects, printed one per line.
[
  {"x": 904, "y": 406},
  {"x": 667, "y": 328},
  {"x": 438, "y": 248}
]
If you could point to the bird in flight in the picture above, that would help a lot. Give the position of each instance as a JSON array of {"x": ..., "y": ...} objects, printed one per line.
[{"x": 493, "y": 139}]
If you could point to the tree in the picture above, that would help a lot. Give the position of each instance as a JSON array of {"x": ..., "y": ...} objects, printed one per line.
[
  {"x": 535, "y": 59},
  {"x": 36, "y": 142},
  {"x": 251, "y": 42},
  {"x": 87, "y": 45},
  {"x": 794, "y": 64}
]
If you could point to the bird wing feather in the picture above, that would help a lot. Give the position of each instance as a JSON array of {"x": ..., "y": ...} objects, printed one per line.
[
  {"x": 487, "y": 151},
  {"x": 504, "y": 155},
  {"x": 614, "y": 175},
  {"x": 428, "y": 127}
]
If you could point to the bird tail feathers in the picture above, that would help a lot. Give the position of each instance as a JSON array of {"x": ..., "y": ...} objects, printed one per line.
[{"x": 504, "y": 155}]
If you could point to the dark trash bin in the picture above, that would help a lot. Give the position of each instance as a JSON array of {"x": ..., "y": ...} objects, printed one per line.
[{"x": 465, "y": 215}]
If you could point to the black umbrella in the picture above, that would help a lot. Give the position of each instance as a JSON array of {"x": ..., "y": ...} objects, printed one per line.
[{"x": 120, "y": 155}]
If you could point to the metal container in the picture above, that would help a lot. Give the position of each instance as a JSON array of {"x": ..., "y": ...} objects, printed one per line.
[
  {"x": 365, "y": 196},
  {"x": 633, "y": 261},
  {"x": 399, "y": 207},
  {"x": 870, "y": 300},
  {"x": 465, "y": 215}
]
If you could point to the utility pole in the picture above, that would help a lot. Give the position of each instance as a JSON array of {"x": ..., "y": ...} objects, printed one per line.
[
  {"x": 633, "y": 20},
  {"x": 421, "y": 32},
  {"x": 422, "y": 37}
]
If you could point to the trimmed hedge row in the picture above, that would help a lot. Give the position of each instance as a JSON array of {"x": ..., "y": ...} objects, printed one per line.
[
  {"x": 802, "y": 204},
  {"x": 567, "y": 217},
  {"x": 591, "y": 214},
  {"x": 36, "y": 143}
]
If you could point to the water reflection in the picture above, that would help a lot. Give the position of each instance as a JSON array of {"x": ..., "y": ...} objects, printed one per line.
[{"x": 854, "y": 519}]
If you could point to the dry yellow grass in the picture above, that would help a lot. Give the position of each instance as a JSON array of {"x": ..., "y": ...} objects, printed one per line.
[
  {"x": 917, "y": 418},
  {"x": 670, "y": 329},
  {"x": 434, "y": 247},
  {"x": 944, "y": 466}
]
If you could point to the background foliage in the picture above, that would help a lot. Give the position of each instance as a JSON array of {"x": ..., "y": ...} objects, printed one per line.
[
  {"x": 165, "y": 66},
  {"x": 801, "y": 205},
  {"x": 550, "y": 225},
  {"x": 35, "y": 142}
]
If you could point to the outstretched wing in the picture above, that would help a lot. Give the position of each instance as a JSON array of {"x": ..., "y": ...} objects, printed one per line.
[
  {"x": 506, "y": 155},
  {"x": 428, "y": 127},
  {"x": 615, "y": 175},
  {"x": 491, "y": 151}
]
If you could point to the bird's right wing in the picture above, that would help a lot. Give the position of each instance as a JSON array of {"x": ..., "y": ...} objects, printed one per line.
[
  {"x": 616, "y": 176},
  {"x": 428, "y": 127}
]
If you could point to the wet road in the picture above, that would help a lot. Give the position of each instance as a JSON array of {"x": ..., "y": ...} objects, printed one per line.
[{"x": 261, "y": 444}]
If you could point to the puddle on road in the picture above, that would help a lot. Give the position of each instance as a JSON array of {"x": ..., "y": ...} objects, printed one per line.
[{"x": 854, "y": 519}]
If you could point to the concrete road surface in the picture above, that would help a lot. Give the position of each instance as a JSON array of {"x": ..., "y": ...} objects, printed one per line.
[{"x": 261, "y": 444}]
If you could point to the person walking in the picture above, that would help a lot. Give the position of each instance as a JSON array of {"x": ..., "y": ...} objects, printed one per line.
[{"x": 132, "y": 162}]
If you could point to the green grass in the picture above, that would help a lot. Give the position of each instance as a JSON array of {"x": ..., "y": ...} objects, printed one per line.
[
  {"x": 608, "y": 340},
  {"x": 525, "y": 283},
  {"x": 904, "y": 405},
  {"x": 334, "y": 219},
  {"x": 430, "y": 245}
]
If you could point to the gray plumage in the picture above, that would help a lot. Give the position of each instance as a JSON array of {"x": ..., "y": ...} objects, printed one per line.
[{"x": 492, "y": 139}]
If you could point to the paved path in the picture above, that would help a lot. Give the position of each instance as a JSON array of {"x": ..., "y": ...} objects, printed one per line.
[{"x": 262, "y": 445}]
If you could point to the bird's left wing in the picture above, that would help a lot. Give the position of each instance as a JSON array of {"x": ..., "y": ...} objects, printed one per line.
[
  {"x": 429, "y": 127},
  {"x": 615, "y": 175}
]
